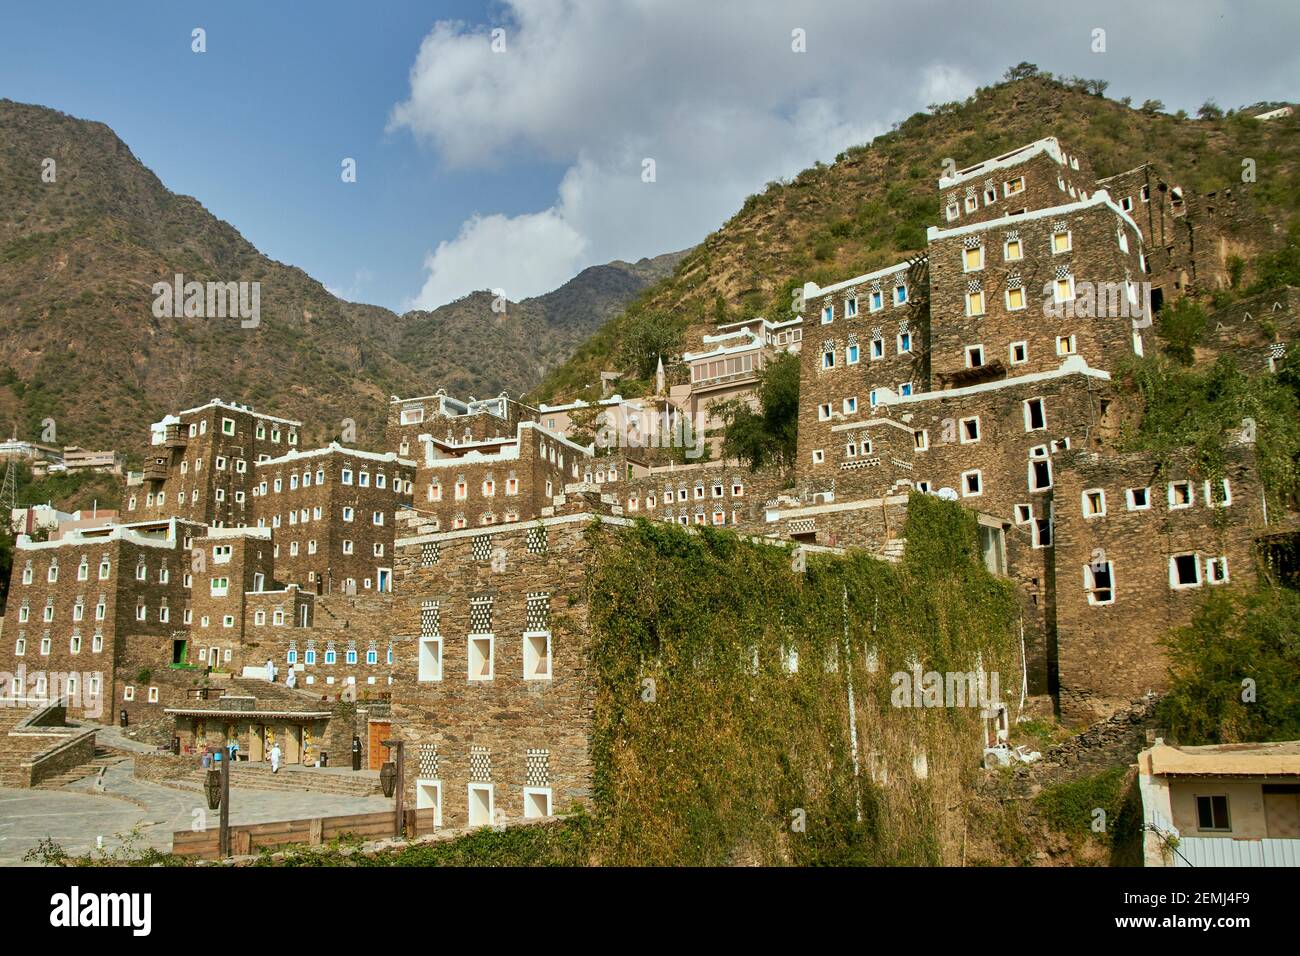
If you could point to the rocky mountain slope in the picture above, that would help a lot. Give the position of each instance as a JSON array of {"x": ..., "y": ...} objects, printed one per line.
[{"x": 79, "y": 341}]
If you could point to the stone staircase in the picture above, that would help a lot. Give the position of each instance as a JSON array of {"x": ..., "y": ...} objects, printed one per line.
[
  {"x": 104, "y": 757},
  {"x": 893, "y": 550},
  {"x": 290, "y": 780}
]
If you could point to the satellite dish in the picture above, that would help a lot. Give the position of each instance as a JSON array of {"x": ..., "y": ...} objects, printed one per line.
[{"x": 947, "y": 494}]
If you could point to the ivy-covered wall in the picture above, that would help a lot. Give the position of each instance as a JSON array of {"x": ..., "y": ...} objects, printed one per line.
[{"x": 707, "y": 749}]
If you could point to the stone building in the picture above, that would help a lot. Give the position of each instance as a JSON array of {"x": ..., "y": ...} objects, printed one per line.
[
  {"x": 199, "y": 463},
  {"x": 494, "y": 705},
  {"x": 331, "y": 510},
  {"x": 79, "y": 605}
]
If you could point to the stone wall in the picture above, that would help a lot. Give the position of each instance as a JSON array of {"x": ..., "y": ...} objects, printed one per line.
[{"x": 508, "y": 595}]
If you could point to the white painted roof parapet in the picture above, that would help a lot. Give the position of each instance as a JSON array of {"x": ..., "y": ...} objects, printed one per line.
[
  {"x": 1099, "y": 198},
  {"x": 388, "y": 457},
  {"x": 1048, "y": 144},
  {"x": 811, "y": 290}
]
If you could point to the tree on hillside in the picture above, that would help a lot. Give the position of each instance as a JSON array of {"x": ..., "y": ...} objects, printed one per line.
[
  {"x": 1210, "y": 111},
  {"x": 1021, "y": 71},
  {"x": 1180, "y": 327},
  {"x": 648, "y": 337},
  {"x": 1153, "y": 106},
  {"x": 766, "y": 436}
]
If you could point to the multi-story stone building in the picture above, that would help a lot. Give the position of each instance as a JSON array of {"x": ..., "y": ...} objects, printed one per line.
[
  {"x": 78, "y": 604},
  {"x": 199, "y": 464},
  {"x": 993, "y": 387},
  {"x": 331, "y": 512}
]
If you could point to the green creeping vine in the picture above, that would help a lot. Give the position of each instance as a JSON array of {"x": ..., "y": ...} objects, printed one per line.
[{"x": 708, "y": 750}]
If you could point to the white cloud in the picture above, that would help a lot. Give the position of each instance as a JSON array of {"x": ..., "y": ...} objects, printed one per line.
[{"x": 520, "y": 255}]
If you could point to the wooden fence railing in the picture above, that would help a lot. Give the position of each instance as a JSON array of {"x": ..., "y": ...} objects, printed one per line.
[{"x": 313, "y": 831}]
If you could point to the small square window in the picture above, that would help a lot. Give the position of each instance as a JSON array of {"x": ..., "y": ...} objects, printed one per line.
[
  {"x": 1024, "y": 514},
  {"x": 1094, "y": 503},
  {"x": 1065, "y": 345},
  {"x": 1019, "y": 353},
  {"x": 1216, "y": 570},
  {"x": 1180, "y": 495},
  {"x": 969, "y": 430},
  {"x": 972, "y": 485},
  {"x": 1139, "y": 499},
  {"x": 1212, "y": 811}
]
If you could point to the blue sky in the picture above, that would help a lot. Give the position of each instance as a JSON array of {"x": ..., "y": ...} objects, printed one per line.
[{"x": 515, "y": 168}]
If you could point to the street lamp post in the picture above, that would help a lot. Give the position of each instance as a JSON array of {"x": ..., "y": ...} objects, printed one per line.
[
  {"x": 217, "y": 790},
  {"x": 392, "y": 777}
]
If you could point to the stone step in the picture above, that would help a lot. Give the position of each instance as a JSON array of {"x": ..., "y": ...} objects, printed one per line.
[
  {"x": 260, "y": 778},
  {"x": 104, "y": 757}
]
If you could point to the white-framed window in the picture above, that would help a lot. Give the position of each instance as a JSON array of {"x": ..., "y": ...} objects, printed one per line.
[
  {"x": 968, "y": 430},
  {"x": 430, "y": 663},
  {"x": 975, "y": 302},
  {"x": 905, "y": 389},
  {"x": 1181, "y": 495},
  {"x": 1015, "y": 299},
  {"x": 1013, "y": 186},
  {"x": 851, "y": 405},
  {"x": 481, "y": 656},
  {"x": 828, "y": 359},
  {"x": 1012, "y": 250},
  {"x": 153, "y": 695},
  {"x": 1065, "y": 344},
  {"x": 824, "y": 411},
  {"x": 972, "y": 259},
  {"x": 1139, "y": 499},
  {"x": 1218, "y": 494},
  {"x": 537, "y": 655},
  {"x": 952, "y": 211},
  {"x": 128, "y": 693},
  {"x": 828, "y": 314},
  {"x": 1184, "y": 571},
  {"x": 974, "y": 356},
  {"x": 818, "y": 456},
  {"x": 1063, "y": 290},
  {"x": 482, "y": 807},
  {"x": 877, "y": 348},
  {"x": 904, "y": 343},
  {"x": 972, "y": 483},
  {"x": 1216, "y": 570},
  {"x": 972, "y": 203},
  {"x": 921, "y": 439},
  {"x": 850, "y": 308},
  {"x": 220, "y": 587},
  {"x": 1024, "y": 513},
  {"x": 1093, "y": 502},
  {"x": 1122, "y": 237},
  {"x": 1040, "y": 473},
  {"x": 851, "y": 354},
  {"x": 1099, "y": 582},
  {"x": 537, "y": 802},
  {"x": 900, "y": 294},
  {"x": 1062, "y": 241},
  {"x": 1035, "y": 415},
  {"x": 1019, "y": 353}
]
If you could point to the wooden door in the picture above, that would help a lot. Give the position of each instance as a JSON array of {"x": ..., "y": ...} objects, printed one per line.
[
  {"x": 379, "y": 730},
  {"x": 256, "y": 743},
  {"x": 293, "y": 744}
]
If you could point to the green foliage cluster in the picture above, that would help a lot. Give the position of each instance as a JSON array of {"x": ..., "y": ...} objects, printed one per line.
[
  {"x": 707, "y": 750},
  {"x": 1236, "y": 637},
  {"x": 1180, "y": 328},
  {"x": 769, "y": 435},
  {"x": 1070, "y": 808},
  {"x": 1204, "y": 409}
]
